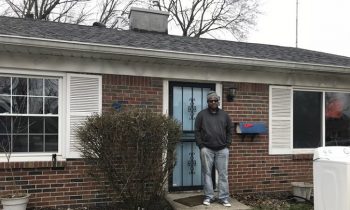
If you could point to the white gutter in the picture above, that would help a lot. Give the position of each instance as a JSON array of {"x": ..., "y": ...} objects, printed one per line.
[{"x": 165, "y": 54}]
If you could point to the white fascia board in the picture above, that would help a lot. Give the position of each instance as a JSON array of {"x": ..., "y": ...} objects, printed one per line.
[{"x": 164, "y": 54}]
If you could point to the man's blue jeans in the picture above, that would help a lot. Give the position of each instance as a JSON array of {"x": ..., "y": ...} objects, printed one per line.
[{"x": 220, "y": 158}]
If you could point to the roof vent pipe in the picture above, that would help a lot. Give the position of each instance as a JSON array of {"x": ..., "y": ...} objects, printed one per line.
[
  {"x": 156, "y": 4},
  {"x": 99, "y": 24}
]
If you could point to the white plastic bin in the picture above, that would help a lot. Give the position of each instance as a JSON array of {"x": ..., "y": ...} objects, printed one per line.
[{"x": 331, "y": 173}]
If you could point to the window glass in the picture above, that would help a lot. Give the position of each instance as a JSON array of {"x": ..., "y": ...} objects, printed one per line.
[
  {"x": 5, "y": 104},
  {"x": 5, "y": 142},
  {"x": 51, "y": 143},
  {"x": 5, "y": 85},
  {"x": 337, "y": 114},
  {"x": 35, "y": 87},
  {"x": 19, "y": 86},
  {"x": 35, "y": 105},
  {"x": 20, "y": 125},
  {"x": 51, "y": 125},
  {"x": 51, "y": 87},
  {"x": 5, "y": 125},
  {"x": 36, "y": 125},
  {"x": 36, "y": 143},
  {"x": 307, "y": 119},
  {"x": 19, "y": 104},
  {"x": 51, "y": 105},
  {"x": 20, "y": 143}
]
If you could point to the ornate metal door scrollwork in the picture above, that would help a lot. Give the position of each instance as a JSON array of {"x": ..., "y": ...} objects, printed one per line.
[
  {"x": 192, "y": 108},
  {"x": 191, "y": 163}
]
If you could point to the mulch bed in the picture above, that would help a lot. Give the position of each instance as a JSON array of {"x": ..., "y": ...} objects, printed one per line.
[{"x": 273, "y": 201}]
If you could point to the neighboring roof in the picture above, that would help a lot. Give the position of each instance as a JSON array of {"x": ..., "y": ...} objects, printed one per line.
[{"x": 154, "y": 41}]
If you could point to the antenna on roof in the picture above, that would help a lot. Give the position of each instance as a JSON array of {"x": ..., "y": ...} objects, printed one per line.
[{"x": 296, "y": 24}]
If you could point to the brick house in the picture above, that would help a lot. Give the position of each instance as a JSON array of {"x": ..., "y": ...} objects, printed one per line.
[{"x": 63, "y": 73}]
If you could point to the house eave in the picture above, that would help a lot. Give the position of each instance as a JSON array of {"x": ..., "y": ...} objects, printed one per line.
[{"x": 96, "y": 50}]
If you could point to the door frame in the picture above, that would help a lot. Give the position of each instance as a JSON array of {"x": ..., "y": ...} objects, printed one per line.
[{"x": 171, "y": 84}]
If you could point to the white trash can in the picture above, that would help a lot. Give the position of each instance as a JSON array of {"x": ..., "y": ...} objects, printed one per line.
[{"x": 331, "y": 174}]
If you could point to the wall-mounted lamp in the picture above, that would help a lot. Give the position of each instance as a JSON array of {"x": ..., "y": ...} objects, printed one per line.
[{"x": 231, "y": 94}]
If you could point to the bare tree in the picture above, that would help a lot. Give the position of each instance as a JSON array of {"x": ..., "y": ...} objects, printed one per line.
[
  {"x": 192, "y": 18},
  {"x": 54, "y": 10},
  {"x": 206, "y": 16},
  {"x": 114, "y": 13}
]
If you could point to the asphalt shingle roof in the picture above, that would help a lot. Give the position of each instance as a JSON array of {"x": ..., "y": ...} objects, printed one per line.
[{"x": 90, "y": 34}]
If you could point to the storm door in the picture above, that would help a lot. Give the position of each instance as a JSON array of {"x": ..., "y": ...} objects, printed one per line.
[{"x": 185, "y": 101}]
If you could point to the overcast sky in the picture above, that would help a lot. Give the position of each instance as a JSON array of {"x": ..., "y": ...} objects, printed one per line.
[{"x": 324, "y": 25}]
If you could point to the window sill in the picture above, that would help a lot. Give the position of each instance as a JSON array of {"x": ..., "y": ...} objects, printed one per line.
[
  {"x": 34, "y": 164},
  {"x": 303, "y": 151}
]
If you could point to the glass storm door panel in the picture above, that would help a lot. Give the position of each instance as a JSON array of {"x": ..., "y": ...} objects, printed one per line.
[{"x": 186, "y": 101}]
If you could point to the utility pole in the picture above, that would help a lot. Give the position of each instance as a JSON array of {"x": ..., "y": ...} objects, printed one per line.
[{"x": 296, "y": 24}]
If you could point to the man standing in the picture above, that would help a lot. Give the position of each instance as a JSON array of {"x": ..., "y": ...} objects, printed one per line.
[{"x": 213, "y": 128}]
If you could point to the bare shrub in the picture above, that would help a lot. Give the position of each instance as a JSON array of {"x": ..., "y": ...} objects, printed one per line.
[{"x": 132, "y": 152}]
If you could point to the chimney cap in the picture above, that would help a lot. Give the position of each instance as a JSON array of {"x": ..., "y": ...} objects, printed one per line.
[{"x": 137, "y": 9}]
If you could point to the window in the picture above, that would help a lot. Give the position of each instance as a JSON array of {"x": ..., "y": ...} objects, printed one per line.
[
  {"x": 307, "y": 119},
  {"x": 337, "y": 119},
  {"x": 29, "y": 114},
  {"x": 301, "y": 120}
]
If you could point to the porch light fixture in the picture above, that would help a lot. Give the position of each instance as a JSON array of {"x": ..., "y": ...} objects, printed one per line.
[{"x": 231, "y": 94}]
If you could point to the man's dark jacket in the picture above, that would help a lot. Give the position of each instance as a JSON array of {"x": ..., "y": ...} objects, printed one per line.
[{"x": 213, "y": 130}]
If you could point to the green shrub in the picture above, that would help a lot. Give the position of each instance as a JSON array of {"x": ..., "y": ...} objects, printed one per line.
[{"x": 132, "y": 152}]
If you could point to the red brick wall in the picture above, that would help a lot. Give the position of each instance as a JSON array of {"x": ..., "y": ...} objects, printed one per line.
[
  {"x": 64, "y": 185},
  {"x": 132, "y": 91},
  {"x": 251, "y": 168}
]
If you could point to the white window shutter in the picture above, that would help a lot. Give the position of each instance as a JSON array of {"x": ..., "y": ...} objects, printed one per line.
[
  {"x": 84, "y": 99},
  {"x": 280, "y": 120}
]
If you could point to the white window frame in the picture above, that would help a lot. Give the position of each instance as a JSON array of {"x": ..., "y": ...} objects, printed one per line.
[
  {"x": 42, "y": 156},
  {"x": 306, "y": 89}
]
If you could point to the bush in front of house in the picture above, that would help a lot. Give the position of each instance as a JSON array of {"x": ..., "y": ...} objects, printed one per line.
[{"x": 132, "y": 152}]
